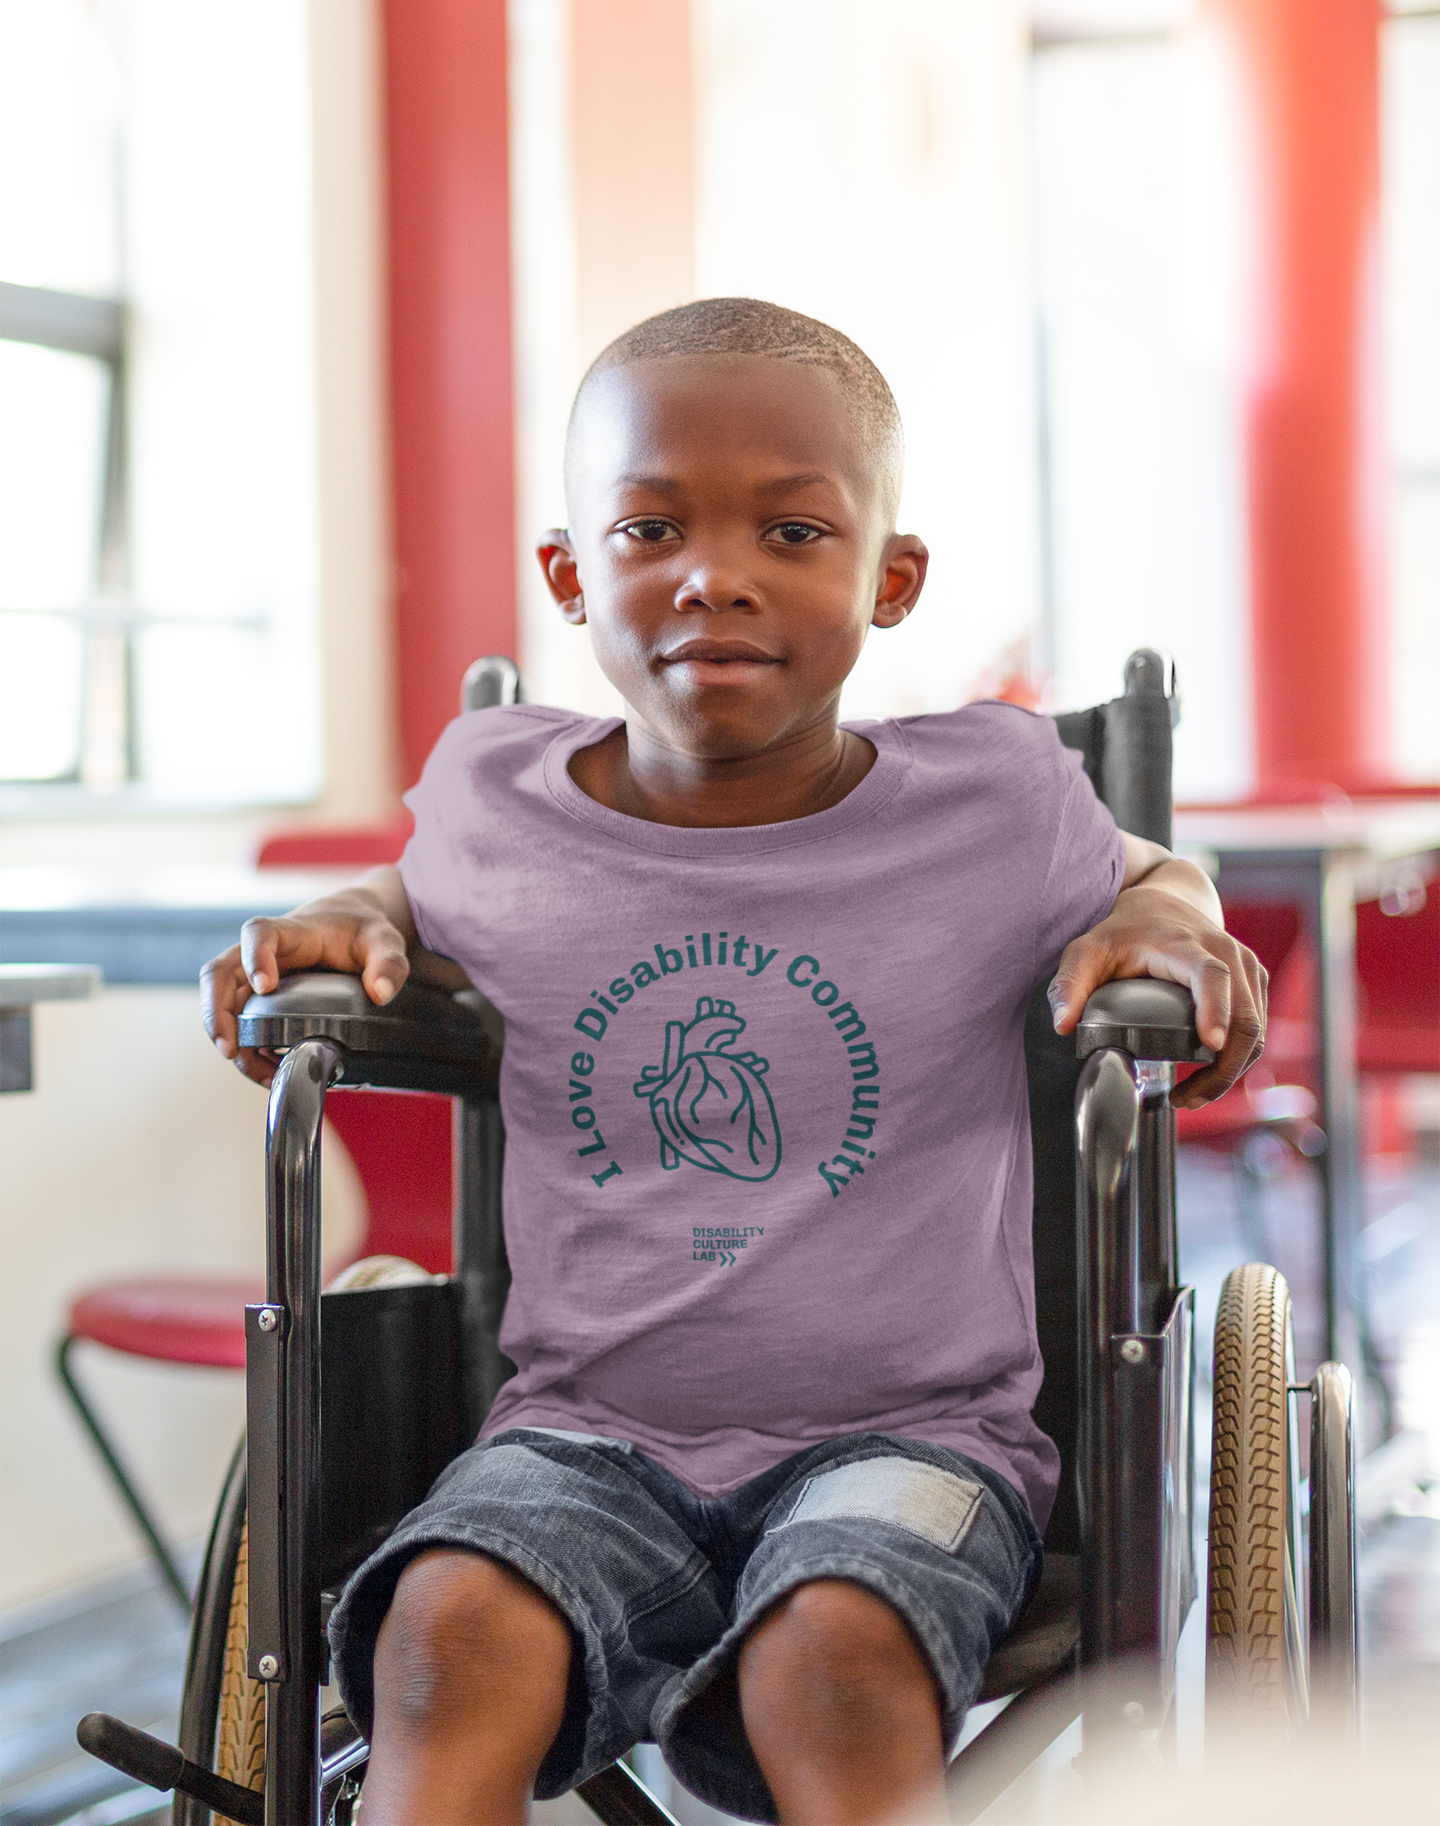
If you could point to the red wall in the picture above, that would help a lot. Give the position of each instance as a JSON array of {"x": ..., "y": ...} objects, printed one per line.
[
  {"x": 450, "y": 352},
  {"x": 1309, "y": 78}
]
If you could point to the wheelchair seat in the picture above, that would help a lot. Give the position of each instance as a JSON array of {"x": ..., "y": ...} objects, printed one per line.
[{"x": 1047, "y": 1637}]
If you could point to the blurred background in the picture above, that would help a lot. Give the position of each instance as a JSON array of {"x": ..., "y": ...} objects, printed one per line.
[{"x": 293, "y": 300}]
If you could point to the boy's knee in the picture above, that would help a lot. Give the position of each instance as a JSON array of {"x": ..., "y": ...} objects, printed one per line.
[
  {"x": 461, "y": 1628},
  {"x": 834, "y": 1651}
]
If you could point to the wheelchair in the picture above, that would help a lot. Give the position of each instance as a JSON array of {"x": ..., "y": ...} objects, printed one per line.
[{"x": 358, "y": 1397}]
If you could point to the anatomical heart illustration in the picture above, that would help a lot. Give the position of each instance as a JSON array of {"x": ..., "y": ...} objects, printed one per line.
[{"x": 712, "y": 1106}]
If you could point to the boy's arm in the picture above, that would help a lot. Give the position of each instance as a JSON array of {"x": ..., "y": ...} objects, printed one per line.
[
  {"x": 1167, "y": 922},
  {"x": 367, "y": 930}
]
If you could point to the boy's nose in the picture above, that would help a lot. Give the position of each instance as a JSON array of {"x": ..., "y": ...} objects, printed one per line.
[{"x": 716, "y": 586}]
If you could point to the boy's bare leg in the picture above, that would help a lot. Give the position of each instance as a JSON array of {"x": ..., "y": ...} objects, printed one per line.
[
  {"x": 471, "y": 1671},
  {"x": 841, "y": 1709}
]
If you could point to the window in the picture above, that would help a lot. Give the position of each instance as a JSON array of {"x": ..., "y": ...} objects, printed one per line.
[
  {"x": 1140, "y": 224},
  {"x": 158, "y": 497},
  {"x": 1143, "y": 482}
]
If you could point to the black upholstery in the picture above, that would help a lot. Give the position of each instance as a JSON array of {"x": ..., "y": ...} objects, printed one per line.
[{"x": 1126, "y": 747}]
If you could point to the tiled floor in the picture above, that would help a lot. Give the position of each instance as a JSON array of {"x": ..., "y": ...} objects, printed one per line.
[{"x": 120, "y": 1646}]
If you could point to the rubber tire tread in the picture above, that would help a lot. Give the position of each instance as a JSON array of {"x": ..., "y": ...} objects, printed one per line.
[
  {"x": 240, "y": 1741},
  {"x": 1245, "y": 1648}
]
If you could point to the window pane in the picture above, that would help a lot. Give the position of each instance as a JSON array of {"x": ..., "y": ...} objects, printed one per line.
[
  {"x": 1415, "y": 627},
  {"x": 41, "y": 666},
  {"x": 59, "y": 124},
  {"x": 216, "y": 711},
  {"x": 52, "y": 464}
]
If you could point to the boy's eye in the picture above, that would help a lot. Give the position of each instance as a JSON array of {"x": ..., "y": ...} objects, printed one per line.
[
  {"x": 795, "y": 532},
  {"x": 650, "y": 532}
]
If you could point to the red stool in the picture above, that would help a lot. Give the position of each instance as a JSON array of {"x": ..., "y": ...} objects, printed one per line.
[{"x": 401, "y": 1147}]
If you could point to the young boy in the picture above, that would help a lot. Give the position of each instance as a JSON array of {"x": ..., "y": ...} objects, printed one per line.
[{"x": 765, "y": 1487}]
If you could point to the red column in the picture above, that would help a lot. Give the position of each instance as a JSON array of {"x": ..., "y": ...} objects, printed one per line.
[
  {"x": 1309, "y": 78},
  {"x": 450, "y": 360}
]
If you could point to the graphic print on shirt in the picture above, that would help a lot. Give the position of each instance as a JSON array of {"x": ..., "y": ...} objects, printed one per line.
[{"x": 712, "y": 1106}]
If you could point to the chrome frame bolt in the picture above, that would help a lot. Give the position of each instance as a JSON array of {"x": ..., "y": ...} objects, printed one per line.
[
  {"x": 1133, "y": 1351},
  {"x": 269, "y": 1667},
  {"x": 268, "y": 1318}
]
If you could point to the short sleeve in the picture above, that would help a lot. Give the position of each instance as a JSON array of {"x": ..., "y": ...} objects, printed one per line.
[
  {"x": 429, "y": 865},
  {"x": 1087, "y": 868}
]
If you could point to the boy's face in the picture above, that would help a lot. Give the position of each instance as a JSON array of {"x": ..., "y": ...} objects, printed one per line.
[{"x": 729, "y": 546}]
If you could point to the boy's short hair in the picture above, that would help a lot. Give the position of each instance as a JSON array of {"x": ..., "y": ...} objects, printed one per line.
[{"x": 752, "y": 326}]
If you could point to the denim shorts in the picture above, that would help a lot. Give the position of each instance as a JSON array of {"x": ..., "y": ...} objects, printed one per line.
[{"x": 660, "y": 1586}]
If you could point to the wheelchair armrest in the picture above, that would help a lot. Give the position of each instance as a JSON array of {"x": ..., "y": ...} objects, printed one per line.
[
  {"x": 1143, "y": 1016},
  {"x": 424, "y": 1039}
]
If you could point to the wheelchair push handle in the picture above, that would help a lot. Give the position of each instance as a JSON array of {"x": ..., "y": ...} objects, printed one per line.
[
  {"x": 1145, "y": 1017},
  {"x": 423, "y": 1039},
  {"x": 490, "y": 683}
]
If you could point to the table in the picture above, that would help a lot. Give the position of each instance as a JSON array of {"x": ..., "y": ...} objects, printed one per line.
[
  {"x": 1322, "y": 860},
  {"x": 21, "y": 987},
  {"x": 153, "y": 925}
]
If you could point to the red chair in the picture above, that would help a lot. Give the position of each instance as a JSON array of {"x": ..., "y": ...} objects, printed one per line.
[
  {"x": 401, "y": 1147},
  {"x": 1397, "y": 964}
]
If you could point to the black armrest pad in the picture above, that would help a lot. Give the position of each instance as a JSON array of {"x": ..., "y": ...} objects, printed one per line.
[
  {"x": 423, "y": 1039},
  {"x": 1144, "y": 1017}
]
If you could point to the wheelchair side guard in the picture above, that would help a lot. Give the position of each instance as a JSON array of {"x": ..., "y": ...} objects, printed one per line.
[
  {"x": 1136, "y": 1446},
  {"x": 1153, "y": 1474}
]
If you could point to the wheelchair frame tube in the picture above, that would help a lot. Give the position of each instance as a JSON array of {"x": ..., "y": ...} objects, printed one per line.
[
  {"x": 283, "y": 1435},
  {"x": 1107, "y": 1117},
  {"x": 1135, "y": 1453},
  {"x": 1157, "y": 1243}
]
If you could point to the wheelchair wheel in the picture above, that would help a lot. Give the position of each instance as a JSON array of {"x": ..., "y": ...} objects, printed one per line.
[
  {"x": 240, "y": 1731},
  {"x": 1255, "y": 1635}
]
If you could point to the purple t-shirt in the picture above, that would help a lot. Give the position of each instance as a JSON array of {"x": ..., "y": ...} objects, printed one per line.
[{"x": 767, "y": 1169}]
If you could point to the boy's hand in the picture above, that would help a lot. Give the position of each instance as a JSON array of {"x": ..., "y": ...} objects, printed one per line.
[
  {"x": 356, "y": 931},
  {"x": 1167, "y": 925}
]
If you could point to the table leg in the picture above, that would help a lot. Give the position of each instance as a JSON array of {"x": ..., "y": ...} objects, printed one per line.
[
  {"x": 1348, "y": 1334},
  {"x": 16, "y": 1063},
  {"x": 1329, "y": 913}
]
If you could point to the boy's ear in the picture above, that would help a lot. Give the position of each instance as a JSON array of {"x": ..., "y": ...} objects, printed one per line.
[
  {"x": 902, "y": 577},
  {"x": 557, "y": 560}
]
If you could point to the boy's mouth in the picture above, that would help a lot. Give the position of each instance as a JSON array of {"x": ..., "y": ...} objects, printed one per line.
[{"x": 709, "y": 657}]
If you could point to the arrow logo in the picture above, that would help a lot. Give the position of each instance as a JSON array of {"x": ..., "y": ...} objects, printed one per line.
[{"x": 727, "y": 1260}]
